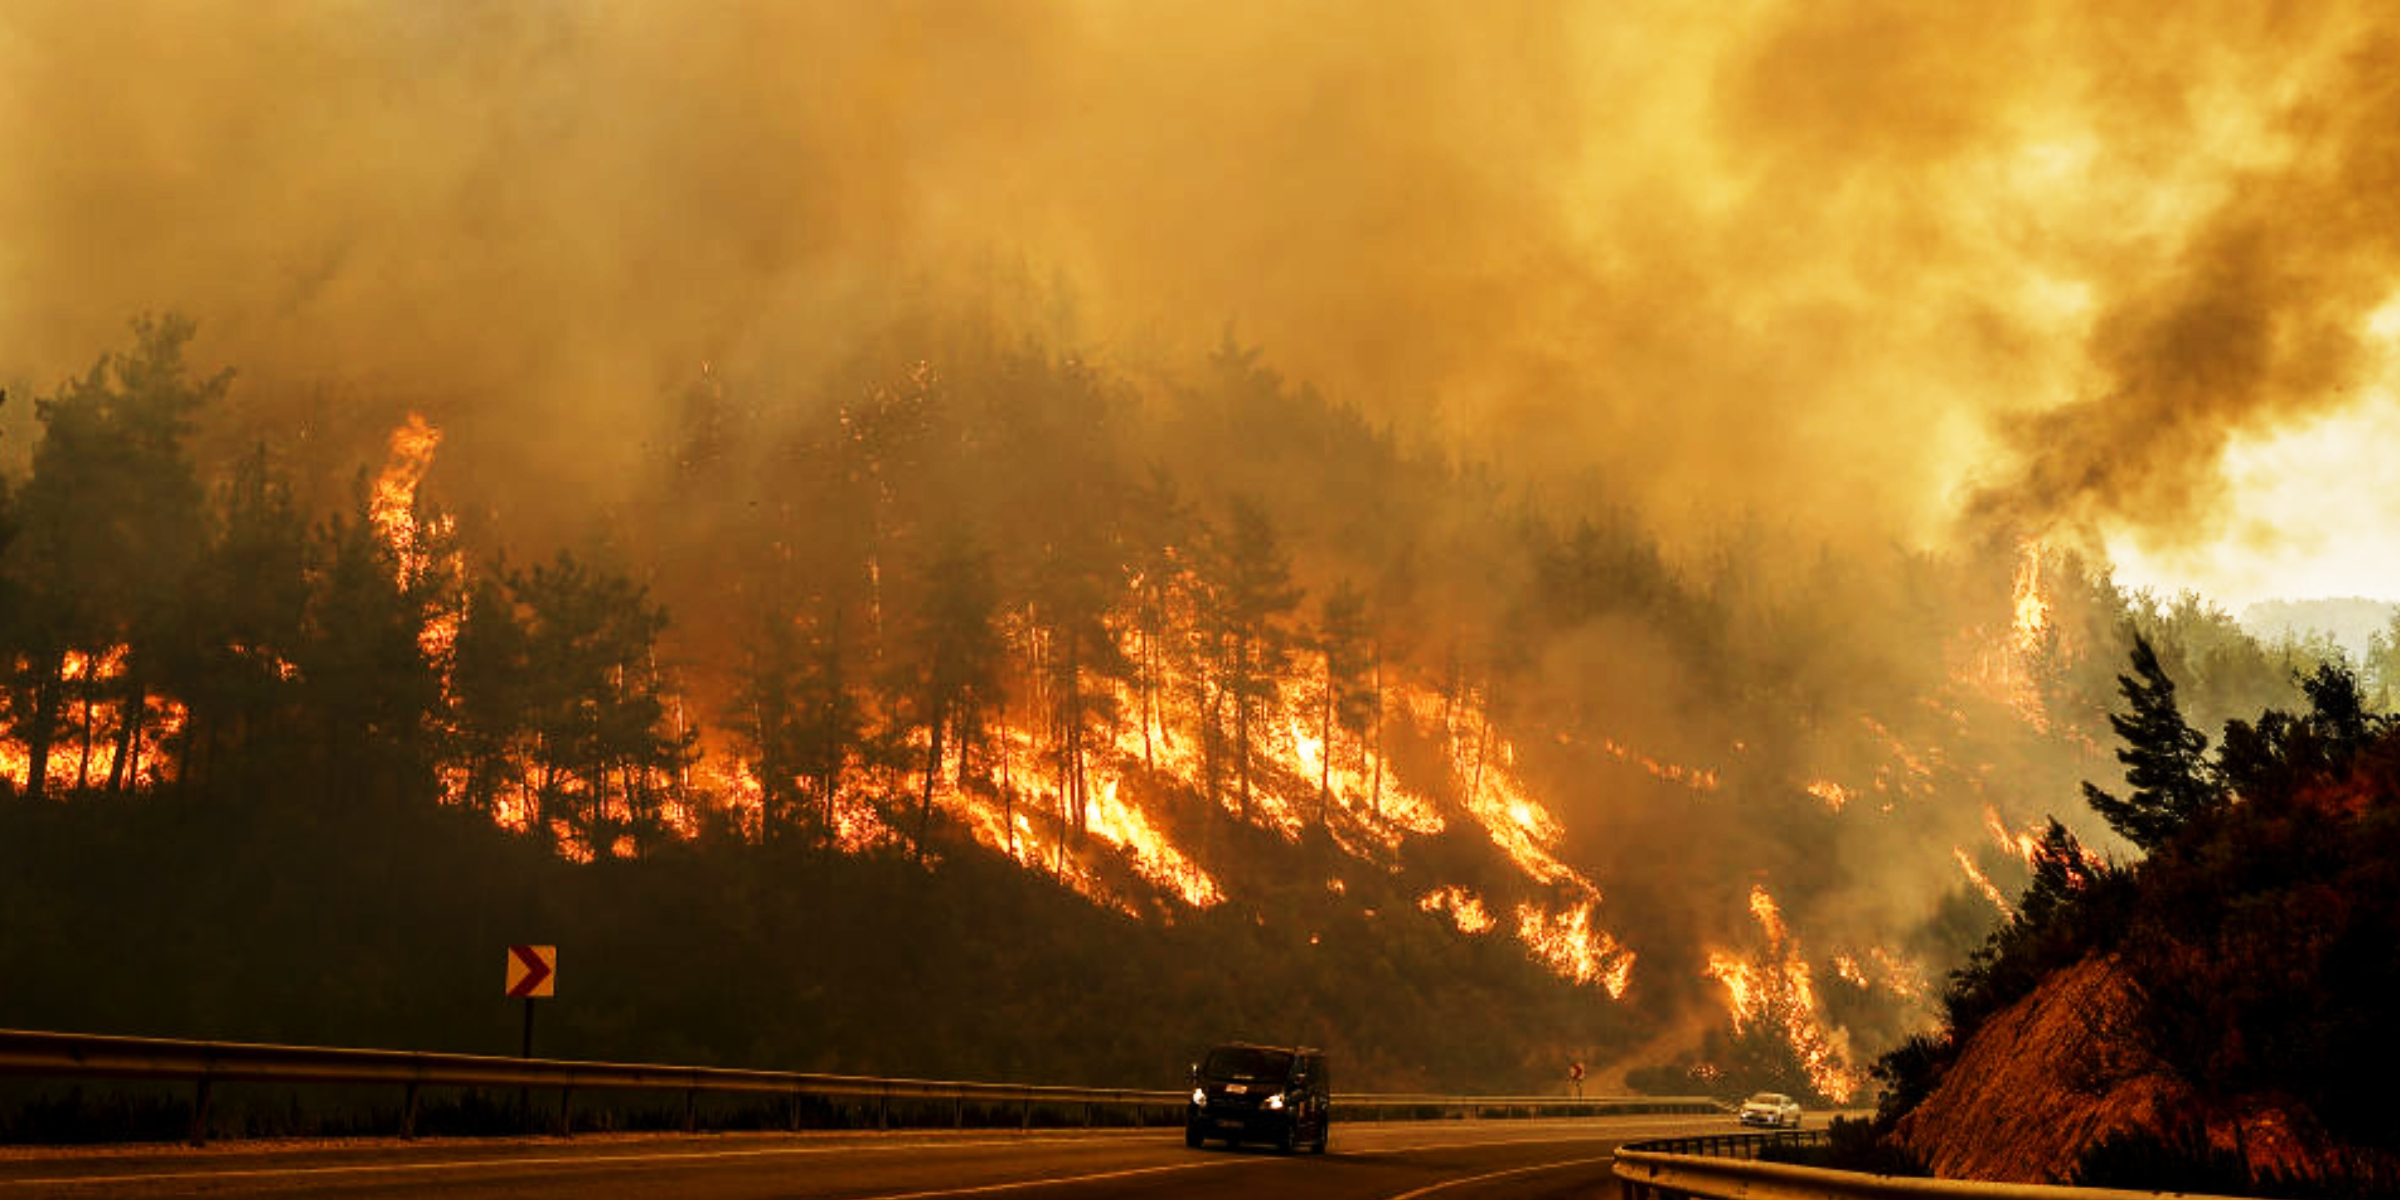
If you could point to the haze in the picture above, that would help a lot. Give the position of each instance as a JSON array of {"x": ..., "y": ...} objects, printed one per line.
[{"x": 1863, "y": 265}]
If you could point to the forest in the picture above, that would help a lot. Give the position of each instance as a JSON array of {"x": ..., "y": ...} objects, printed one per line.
[{"x": 984, "y": 708}]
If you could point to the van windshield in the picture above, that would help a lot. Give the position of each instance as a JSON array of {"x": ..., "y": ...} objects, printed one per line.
[{"x": 1247, "y": 1062}]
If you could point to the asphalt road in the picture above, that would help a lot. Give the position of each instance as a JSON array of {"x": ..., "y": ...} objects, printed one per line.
[{"x": 1418, "y": 1160}]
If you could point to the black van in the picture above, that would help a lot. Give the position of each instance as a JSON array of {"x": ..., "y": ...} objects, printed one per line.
[{"x": 1242, "y": 1092}]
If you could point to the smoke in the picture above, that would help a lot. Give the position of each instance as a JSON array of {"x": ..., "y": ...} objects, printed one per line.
[
  {"x": 2253, "y": 322},
  {"x": 1830, "y": 260}
]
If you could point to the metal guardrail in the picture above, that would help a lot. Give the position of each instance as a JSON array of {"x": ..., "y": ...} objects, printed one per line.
[
  {"x": 1723, "y": 1168},
  {"x": 206, "y": 1064}
]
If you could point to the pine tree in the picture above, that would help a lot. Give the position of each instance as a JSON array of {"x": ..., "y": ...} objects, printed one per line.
[{"x": 2165, "y": 759}]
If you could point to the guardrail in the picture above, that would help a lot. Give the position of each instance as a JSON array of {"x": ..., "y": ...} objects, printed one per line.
[
  {"x": 1722, "y": 1168},
  {"x": 206, "y": 1064}
]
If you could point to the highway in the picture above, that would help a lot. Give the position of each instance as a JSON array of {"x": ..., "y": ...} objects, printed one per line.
[{"x": 1416, "y": 1160}]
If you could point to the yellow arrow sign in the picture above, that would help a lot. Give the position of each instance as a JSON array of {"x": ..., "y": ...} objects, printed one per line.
[{"x": 532, "y": 970}]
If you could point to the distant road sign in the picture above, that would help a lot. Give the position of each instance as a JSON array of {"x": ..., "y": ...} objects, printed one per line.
[{"x": 532, "y": 970}]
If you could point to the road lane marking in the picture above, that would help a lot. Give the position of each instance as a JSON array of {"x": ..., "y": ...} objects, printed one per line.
[
  {"x": 1451, "y": 1183},
  {"x": 982, "y": 1189},
  {"x": 588, "y": 1160}
]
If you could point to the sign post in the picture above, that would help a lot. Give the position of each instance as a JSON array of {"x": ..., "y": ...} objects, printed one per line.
[{"x": 532, "y": 975}]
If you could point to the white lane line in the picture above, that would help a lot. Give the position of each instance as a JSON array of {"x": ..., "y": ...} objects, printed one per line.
[
  {"x": 982, "y": 1189},
  {"x": 1447, "y": 1184},
  {"x": 574, "y": 1160}
]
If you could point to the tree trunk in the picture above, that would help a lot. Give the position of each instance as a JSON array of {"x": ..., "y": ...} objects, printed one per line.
[
  {"x": 44, "y": 730},
  {"x": 1483, "y": 742},
  {"x": 933, "y": 772},
  {"x": 1008, "y": 794},
  {"x": 1241, "y": 727},
  {"x": 1325, "y": 746},
  {"x": 1376, "y": 793},
  {"x": 1150, "y": 683},
  {"x": 129, "y": 737},
  {"x": 83, "y": 765}
]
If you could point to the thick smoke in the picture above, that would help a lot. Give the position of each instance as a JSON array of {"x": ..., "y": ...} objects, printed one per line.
[{"x": 1813, "y": 259}]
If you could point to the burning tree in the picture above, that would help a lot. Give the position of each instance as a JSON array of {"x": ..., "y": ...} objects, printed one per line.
[{"x": 111, "y": 523}]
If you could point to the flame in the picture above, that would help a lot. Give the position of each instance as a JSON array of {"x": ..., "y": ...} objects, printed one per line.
[
  {"x": 1571, "y": 947},
  {"x": 2032, "y": 604},
  {"x": 2024, "y": 845},
  {"x": 1770, "y": 918},
  {"x": 1833, "y": 794},
  {"x": 80, "y": 760},
  {"x": 1982, "y": 882},
  {"x": 1903, "y": 976},
  {"x": 1465, "y": 908},
  {"x": 2004, "y": 668},
  {"x": 1778, "y": 987}
]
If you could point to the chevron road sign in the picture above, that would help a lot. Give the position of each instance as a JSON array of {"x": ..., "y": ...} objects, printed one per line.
[{"x": 532, "y": 971}]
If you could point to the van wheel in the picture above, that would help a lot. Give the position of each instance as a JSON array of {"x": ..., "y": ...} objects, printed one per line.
[
  {"x": 1191, "y": 1136},
  {"x": 1288, "y": 1140},
  {"x": 1324, "y": 1133}
]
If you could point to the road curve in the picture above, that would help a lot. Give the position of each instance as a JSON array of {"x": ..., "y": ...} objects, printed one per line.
[{"x": 1417, "y": 1160}]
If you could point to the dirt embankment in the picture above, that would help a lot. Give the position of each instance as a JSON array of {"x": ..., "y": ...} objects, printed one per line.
[{"x": 2064, "y": 1070}]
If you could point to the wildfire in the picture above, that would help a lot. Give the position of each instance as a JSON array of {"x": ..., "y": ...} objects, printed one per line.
[
  {"x": 1982, "y": 882},
  {"x": 413, "y": 540},
  {"x": 91, "y": 722},
  {"x": 2032, "y": 604},
  {"x": 2024, "y": 845},
  {"x": 1835, "y": 796},
  {"x": 1699, "y": 779},
  {"x": 1465, "y": 909},
  {"x": 1778, "y": 987},
  {"x": 1569, "y": 944}
]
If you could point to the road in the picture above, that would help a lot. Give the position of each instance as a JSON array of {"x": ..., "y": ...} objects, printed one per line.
[{"x": 1418, "y": 1160}]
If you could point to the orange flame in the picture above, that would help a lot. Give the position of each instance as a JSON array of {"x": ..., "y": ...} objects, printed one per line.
[
  {"x": 1835, "y": 796},
  {"x": 1779, "y": 987},
  {"x": 1465, "y": 908},
  {"x": 1571, "y": 947},
  {"x": 1982, "y": 882}
]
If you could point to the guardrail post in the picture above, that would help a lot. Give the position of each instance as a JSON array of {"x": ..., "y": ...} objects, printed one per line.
[
  {"x": 691, "y": 1110},
  {"x": 200, "y": 1113},
  {"x": 883, "y": 1109},
  {"x": 408, "y": 1113},
  {"x": 1025, "y": 1118},
  {"x": 958, "y": 1112},
  {"x": 792, "y": 1113},
  {"x": 1091, "y": 1114},
  {"x": 566, "y": 1112}
]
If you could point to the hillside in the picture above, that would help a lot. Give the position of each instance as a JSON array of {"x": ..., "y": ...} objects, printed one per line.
[
  {"x": 163, "y": 917},
  {"x": 2211, "y": 1017}
]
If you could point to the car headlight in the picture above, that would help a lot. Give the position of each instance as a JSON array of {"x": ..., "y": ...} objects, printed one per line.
[
  {"x": 1200, "y": 1097},
  {"x": 1275, "y": 1101}
]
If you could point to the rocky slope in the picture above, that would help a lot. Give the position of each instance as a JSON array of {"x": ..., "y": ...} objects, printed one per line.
[{"x": 2061, "y": 1072}]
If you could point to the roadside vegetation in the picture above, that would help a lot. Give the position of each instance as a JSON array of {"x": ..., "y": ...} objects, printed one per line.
[{"x": 2254, "y": 930}]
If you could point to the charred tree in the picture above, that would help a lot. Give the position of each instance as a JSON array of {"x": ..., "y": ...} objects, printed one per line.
[
  {"x": 1343, "y": 643},
  {"x": 958, "y": 651},
  {"x": 1252, "y": 595}
]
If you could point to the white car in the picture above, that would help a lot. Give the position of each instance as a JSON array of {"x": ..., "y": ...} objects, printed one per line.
[{"x": 1773, "y": 1110}]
